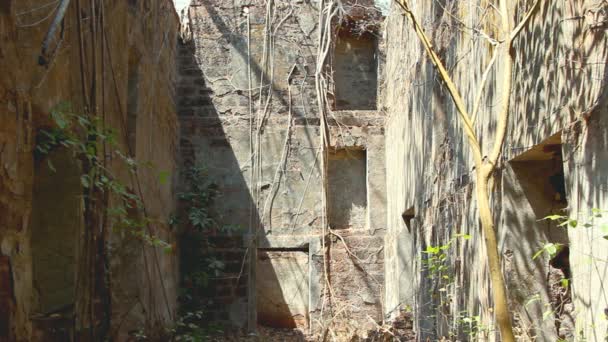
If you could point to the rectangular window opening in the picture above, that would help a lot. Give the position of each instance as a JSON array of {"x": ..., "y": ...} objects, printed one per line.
[
  {"x": 355, "y": 70},
  {"x": 347, "y": 188},
  {"x": 541, "y": 170}
]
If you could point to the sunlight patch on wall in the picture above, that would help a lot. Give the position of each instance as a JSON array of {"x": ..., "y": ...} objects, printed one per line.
[
  {"x": 384, "y": 6},
  {"x": 180, "y": 4}
]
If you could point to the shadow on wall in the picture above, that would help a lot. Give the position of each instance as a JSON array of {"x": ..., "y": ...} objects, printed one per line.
[
  {"x": 205, "y": 143},
  {"x": 56, "y": 224},
  {"x": 559, "y": 87},
  {"x": 568, "y": 90},
  {"x": 534, "y": 188}
]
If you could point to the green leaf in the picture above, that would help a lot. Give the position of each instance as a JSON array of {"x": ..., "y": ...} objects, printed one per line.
[
  {"x": 432, "y": 250},
  {"x": 537, "y": 254},
  {"x": 551, "y": 249},
  {"x": 59, "y": 118},
  {"x": 83, "y": 121},
  {"x": 596, "y": 212},
  {"x": 84, "y": 180},
  {"x": 91, "y": 151},
  {"x": 554, "y": 217},
  {"x": 50, "y": 164},
  {"x": 572, "y": 223}
]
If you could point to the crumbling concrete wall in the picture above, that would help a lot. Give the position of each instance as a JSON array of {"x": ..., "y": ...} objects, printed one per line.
[
  {"x": 586, "y": 184},
  {"x": 249, "y": 115},
  {"x": 135, "y": 38},
  {"x": 557, "y": 104}
]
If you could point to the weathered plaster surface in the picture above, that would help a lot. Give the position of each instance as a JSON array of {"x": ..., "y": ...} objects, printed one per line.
[
  {"x": 139, "y": 35},
  {"x": 558, "y": 82}
]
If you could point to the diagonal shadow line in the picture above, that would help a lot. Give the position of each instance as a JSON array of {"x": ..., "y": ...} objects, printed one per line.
[{"x": 256, "y": 68}]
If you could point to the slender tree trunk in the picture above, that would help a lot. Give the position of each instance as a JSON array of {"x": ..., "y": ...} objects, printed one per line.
[{"x": 499, "y": 293}]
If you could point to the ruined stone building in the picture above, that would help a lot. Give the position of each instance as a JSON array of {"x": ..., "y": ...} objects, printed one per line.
[{"x": 297, "y": 170}]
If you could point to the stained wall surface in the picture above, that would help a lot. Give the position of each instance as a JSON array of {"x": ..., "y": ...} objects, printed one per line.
[
  {"x": 557, "y": 90},
  {"x": 39, "y": 209}
]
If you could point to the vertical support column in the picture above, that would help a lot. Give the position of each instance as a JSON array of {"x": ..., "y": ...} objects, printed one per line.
[
  {"x": 6, "y": 297},
  {"x": 252, "y": 312}
]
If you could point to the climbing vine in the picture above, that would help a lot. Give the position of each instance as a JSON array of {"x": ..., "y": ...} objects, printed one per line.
[
  {"x": 82, "y": 136},
  {"x": 108, "y": 202}
]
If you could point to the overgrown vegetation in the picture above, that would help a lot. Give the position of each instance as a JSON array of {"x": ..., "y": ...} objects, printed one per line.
[
  {"x": 193, "y": 222},
  {"x": 438, "y": 263},
  {"x": 108, "y": 201},
  {"x": 85, "y": 138},
  {"x": 196, "y": 223}
]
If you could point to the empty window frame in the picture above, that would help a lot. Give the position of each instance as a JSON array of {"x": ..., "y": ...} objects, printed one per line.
[
  {"x": 355, "y": 70},
  {"x": 347, "y": 185}
]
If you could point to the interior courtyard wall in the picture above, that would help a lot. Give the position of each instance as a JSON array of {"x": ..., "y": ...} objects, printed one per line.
[
  {"x": 146, "y": 33},
  {"x": 557, "y": 84},
  {"x": 240, "y": 53}
]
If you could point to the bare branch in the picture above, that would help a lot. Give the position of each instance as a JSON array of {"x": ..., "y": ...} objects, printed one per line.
[
  {"x": 501, "y": 127},
  {"x": 454, "y": 93},
  {"x": 484, "y": 79},
  {"x": 525, "y": 20}
]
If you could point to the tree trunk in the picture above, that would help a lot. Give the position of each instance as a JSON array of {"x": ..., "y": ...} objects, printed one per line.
[{"x": 499, "y": 293}]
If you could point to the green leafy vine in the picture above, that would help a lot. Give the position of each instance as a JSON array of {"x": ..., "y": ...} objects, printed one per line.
[{"x": 84, "y": 137}]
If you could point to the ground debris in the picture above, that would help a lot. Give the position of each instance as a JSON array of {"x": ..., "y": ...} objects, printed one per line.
[
  {"x": 265, "y": 334},
  {"x": 399, "y": 328}
]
